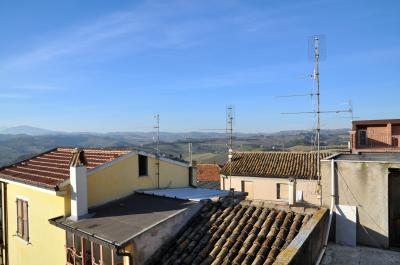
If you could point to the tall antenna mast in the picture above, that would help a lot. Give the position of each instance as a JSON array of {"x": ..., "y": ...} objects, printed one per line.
[
  {"x": 157, "y": 129},
  {"x": 229, "y": 130},
  {"x": 316, "y": 78},
  {"x": 230, "y": 110}
]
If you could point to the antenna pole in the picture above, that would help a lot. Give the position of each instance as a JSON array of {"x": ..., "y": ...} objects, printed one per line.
[
  {"x": 190, "y": 155},
  {"x": 157, "y": 127},
  {"x": 351, "y": 110},
  {"x": 229, "y": 128},
  {"x": 316, "y": 78}
]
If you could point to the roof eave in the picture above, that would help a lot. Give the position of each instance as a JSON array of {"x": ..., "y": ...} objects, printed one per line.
[
  {"x": 6, "y": 178},
  {"x": 86, "y": 235}
]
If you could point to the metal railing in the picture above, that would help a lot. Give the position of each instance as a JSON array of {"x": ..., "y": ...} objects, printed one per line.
[{"x": 380, "y": 141}]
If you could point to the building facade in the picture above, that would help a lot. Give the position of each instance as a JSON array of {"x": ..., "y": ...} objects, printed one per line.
[
  {"x": 48, "y": 186},
  {"x": 268, "y": 175},
  {"x": 375, "y": 136},
  {"x": 369, "y": 185}
]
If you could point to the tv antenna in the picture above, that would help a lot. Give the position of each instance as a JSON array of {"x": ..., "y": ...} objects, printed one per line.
[
  {"x": 317, "y": 52},
  {"x": 230, "y": 117},
  {"x": 157, "y": 139},
  {"x": 229, "y": 129}
]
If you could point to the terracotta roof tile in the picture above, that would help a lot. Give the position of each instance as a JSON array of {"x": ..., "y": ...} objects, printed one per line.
[
  {"x": 232, "y": 234},
  {"x": 51, "y": 168},
  {"x": 274, "y": 164},
  {"x": 208, "y": 172}
]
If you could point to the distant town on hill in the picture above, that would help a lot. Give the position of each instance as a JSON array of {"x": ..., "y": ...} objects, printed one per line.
[{"x": 20, "y": 142}]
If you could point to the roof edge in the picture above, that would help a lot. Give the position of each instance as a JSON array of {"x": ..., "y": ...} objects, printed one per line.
[
  {"x": 50, "y": 188},
  {"x": 29, "y": 158}
]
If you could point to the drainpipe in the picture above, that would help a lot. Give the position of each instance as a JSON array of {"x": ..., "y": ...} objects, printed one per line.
[
  {"x": 292, "y": 191},
  {"x": 5, "y": 222},
  {"x": 330, "y": 212}
]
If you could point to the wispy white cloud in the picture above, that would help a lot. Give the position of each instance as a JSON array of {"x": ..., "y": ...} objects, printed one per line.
[
  {"x": 147, "y": 26},
  {"x": 152, "y": 25},
  {"x": 12, "y": 95},
  {"x": 26, "y": 91},
  {"x": 27, "y": 88}
]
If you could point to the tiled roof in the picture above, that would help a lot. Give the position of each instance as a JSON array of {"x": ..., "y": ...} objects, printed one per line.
[
  {"x": 208, "y": 172},
  {"x": 51, "y": 168},
  {"x": 235, "y": 234},
  {"x": 274, "y": 164}
]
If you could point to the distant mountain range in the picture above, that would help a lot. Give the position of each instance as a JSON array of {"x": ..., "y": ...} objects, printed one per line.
[
  {"x": 24, "y": 141},
  {"x": 28, "y": 130}
]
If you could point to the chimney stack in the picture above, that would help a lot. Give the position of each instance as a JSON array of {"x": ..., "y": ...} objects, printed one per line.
[
  {"x": 292, "y": 191},
  {"x": 78, "y": 180}
]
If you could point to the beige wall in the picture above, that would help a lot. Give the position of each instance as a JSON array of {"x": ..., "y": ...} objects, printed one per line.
[
  {"x": 46, "y": 242},
  {"x": 122, "y": 178},
  {"x": 266, "y": 188},
  {"x": 365, "y": 185}
]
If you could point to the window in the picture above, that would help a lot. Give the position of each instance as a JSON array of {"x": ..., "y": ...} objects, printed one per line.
[
  {"x": 247, "y": 186},
  {"x": 282, "y": 191},
  {"x": 362, "y": 137},
  {"x": 80, "y": 249},
  {"x": 143, "y": 165},
  {"x": 22, "y": 219}
]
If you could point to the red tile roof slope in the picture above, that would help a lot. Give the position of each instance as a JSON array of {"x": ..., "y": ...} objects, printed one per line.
[
  {"x": 208, "y": 172},
  {"x": 274, "y": 164},
  {"x": 234, "y": 234},
  {"x": 51, "y": 168}
]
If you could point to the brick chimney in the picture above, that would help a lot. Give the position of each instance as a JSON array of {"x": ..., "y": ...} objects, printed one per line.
[{"x": 78, "y": 181}]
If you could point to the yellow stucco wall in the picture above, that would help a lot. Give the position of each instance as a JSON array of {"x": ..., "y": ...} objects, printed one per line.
[
  {"x": 122, "y": 178},
  {"x": 47, "y": 242},
  {"x": 46, "y": 246}
]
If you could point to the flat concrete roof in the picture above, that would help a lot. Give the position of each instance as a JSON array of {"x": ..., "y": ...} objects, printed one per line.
[
  {"x": 370, "y": 157},
  {"x": 193, "y": 194},
  {"x": 118, "y": 222}
]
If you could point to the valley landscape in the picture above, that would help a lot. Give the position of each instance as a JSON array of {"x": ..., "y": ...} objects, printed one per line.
[{"x": 21, "y": 142}]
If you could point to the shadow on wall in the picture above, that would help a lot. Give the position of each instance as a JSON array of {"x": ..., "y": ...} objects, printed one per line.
[{"x": 364, "y": 235}]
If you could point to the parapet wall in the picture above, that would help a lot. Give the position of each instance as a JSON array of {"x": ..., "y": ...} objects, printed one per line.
[{"x": 307, "y": 245}]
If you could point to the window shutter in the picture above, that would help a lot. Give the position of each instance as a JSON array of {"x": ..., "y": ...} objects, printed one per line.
[
  {"x": 25, "y": 221},
  {"x": 20, "y": 226}
]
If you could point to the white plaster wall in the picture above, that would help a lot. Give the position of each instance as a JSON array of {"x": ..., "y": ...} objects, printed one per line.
[
  {"x": 265, "y": 188},
  {"x": 364, "y": 185}
]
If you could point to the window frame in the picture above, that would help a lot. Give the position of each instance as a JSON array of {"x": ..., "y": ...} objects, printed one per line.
[
  {"x": 141, "y": 164},
  {"x": 279, "y": 193},
  {"x": 84, "y": 251},
  {"x": 360, "y": 131},
  {"x": 22, "y": 208}
]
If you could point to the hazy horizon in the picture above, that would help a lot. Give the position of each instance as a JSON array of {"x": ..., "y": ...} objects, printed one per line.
[
  {"x": 148, "y": 132},
  {"x": 100, "y": 65}
]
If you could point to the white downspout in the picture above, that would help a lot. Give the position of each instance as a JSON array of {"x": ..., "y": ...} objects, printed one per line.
[{"x": 330, "y": 212}]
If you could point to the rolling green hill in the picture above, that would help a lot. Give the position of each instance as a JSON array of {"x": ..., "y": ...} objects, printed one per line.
[{"x": 207, "y": 147}]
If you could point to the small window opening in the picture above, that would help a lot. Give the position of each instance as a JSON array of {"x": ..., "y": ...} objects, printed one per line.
[
  {"x": 143, "y": 166},
  {"x": 282, "y": 191}
]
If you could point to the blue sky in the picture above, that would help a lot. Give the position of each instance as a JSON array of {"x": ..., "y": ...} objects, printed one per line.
[{"x": 111, "y": 65}]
